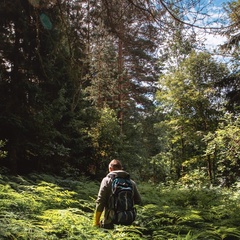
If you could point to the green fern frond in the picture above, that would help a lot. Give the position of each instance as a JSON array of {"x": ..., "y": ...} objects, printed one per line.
[{"x": 229, "y": 233}]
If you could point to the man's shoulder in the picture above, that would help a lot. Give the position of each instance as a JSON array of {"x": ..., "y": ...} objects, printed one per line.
[{"x": 118, "y": 174}]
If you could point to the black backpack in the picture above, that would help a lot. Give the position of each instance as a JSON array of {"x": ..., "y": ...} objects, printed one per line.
[{"x": 123, "y": 203}]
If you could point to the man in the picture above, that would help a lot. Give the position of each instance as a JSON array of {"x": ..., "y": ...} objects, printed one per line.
[{"x": 103, "y": 201}]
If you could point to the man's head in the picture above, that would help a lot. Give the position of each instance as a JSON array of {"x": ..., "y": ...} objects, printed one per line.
[{"x": 115, "y": 165}]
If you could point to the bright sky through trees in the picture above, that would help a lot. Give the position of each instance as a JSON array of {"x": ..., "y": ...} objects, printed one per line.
[
  {"x": 216, "y": 13},
  {"x": 216, "y": 22}
]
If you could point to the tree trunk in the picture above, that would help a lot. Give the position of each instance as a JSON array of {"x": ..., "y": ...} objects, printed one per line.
[
  {"x": 120, "y": 82},
  {"x": 210, "y": 169}
]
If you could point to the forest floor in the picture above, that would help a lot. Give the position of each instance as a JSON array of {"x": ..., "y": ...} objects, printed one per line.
[{"x": 45, "y": 207}]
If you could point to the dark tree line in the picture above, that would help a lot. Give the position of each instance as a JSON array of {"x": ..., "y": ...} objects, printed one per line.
[{"x": 56, "y": 78}]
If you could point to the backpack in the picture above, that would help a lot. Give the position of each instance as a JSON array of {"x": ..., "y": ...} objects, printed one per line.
[{"x": 123, "y": 203}]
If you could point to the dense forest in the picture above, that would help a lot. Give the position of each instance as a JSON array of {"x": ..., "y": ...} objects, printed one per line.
[{"x": 83, "y": 82}]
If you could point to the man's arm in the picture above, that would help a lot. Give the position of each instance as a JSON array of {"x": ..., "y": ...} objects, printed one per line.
[{"x": 100, "y": 202}]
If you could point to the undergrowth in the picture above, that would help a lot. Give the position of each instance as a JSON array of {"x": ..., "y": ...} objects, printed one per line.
[{"x": 42, "y": 207}]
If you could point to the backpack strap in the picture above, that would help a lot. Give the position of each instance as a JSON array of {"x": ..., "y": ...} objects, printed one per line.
[{"x": 112, "y": 175}]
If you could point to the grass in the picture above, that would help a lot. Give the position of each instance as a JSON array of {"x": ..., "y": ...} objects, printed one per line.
[{"x": 46, "y": 207}]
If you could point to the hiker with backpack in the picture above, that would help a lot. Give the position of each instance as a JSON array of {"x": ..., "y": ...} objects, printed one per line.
[{"x": 116, "y": 197}]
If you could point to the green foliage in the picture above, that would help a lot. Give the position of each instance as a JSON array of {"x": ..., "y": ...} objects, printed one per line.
[
  {"x": 106, "y": 137},
  {"x": 182, "y": 213},
  {"x": 187, "y": 97},
  {"x": 223, "y": 147},
  {"x": 47, "y": 207},
  {"x": 2, "y": 152}
]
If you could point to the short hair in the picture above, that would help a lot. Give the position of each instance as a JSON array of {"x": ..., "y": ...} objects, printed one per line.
[{"x": 115, "y": 164}]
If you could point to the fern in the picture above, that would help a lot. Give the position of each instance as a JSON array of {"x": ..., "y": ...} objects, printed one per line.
[
  {"x": 229, "y": 233},
  {"x": 44, "y": 207}
]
